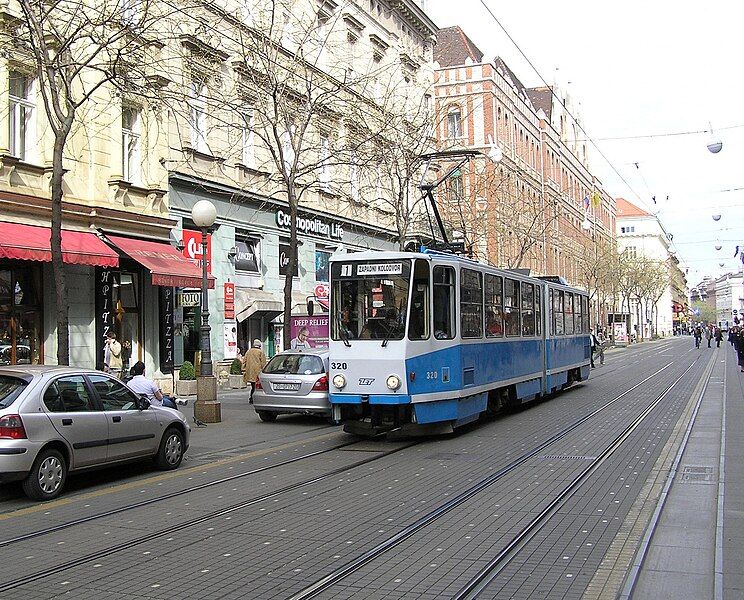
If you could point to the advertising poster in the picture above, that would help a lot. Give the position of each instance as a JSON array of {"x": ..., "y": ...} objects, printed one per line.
[
  {"x": 230, "y": 338},
  {"x": 317, "y": 328},
  {"x": 620, "y": 334}
]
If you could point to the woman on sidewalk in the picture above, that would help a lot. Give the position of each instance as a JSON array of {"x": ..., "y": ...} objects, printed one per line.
[{"x": 739, "y": 346}]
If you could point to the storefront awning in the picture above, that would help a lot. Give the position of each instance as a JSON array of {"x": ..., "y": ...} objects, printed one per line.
[
  {"x": 249, "y": 301},
  {"x": 29, "y": 242},
  {"x": 168, "y": 267}
]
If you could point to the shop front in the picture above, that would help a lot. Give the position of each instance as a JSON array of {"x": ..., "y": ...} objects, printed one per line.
[{"x": 27, "y": 290}]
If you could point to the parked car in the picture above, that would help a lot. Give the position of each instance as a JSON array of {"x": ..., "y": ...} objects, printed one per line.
[
  {"x": 293, "y": 382},
  {"x": 58, "y": 420}
]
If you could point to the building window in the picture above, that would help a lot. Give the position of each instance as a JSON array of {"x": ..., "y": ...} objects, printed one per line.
[
  {"x": 288, "y": 153},
  {"x": 22, "y": 108},
  {"x": 454, "y": 124},
  {"x": 129, "y": 11},
  {"x": 322, "y": 259},
  {"x": 354, "y": 180},
  {"x": 454, "y": 189},
  {"x": 632, "y": 252},
  {"x": 247, "y": 138},
  {"x": 324, "y": 176},
  {"x": 130, "y": 144},
  {"x": 199, "y": 116}
]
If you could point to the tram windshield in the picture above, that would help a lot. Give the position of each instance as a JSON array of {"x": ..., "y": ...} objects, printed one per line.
[{"x": 370, "y": 299}]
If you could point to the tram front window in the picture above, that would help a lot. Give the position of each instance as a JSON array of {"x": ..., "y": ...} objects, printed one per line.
[{"x": 369, "y": 300}]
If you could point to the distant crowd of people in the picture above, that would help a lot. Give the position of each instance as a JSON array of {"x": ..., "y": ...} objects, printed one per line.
[{"x": 712, "y": 333}]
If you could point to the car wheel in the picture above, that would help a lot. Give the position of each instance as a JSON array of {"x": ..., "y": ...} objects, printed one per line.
[
  {"x": 267, "y": 416},
  {"x": 47, "y": 476},
  {"x": 170, "y": 453}
]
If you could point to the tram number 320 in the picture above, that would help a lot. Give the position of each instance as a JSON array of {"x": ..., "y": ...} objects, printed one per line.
[
  {"x": 338, "y": 365},
  {"x": 432, "y": 374}
]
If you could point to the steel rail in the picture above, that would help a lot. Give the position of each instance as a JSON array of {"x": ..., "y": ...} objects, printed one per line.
[
  {"x": 497, "y": 564},
  {"x": 9, "y": 585},
  {"x": 357, "y": 563},
  {"x": 194, "y": 488}
]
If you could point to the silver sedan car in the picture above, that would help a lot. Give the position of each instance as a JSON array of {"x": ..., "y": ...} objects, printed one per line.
[
  {"x": 56, "y": 420},
  {"x": 293, "y": 382}
]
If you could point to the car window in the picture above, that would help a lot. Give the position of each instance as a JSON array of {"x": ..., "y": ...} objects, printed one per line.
[
  {"x": 295, "y": 364},
  {"x": 10, "y": 389},
  {"x": 68, "y": 394},
  {"x": 114, "y": 394}
]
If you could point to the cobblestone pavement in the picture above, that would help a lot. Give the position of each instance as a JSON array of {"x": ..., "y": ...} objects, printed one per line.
[{"x": 284, "y": 541}]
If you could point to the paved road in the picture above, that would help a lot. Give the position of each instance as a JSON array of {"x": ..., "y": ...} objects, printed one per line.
[{"x": 260, "y": 526}]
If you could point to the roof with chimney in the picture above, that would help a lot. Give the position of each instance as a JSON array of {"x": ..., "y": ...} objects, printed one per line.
[{"x": 453, "y": 48}]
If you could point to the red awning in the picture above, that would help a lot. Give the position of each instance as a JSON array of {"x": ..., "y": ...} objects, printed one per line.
[
  {"x": 29, "y": 242},
  {"x": 168, "y": 267}
]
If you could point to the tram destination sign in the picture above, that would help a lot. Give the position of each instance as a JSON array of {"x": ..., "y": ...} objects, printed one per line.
[{"x": 380, "y": 269}]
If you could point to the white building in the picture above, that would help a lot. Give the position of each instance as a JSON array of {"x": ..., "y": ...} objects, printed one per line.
[
  {"x": 729, "y": 298},
  {"x": 641, "y": 234}
]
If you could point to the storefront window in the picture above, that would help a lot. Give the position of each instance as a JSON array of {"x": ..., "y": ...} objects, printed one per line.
[
  {"x": 321, "y": 266},
  {"x": 20, "y": 314},
  {"x": 127, "y": 322}
]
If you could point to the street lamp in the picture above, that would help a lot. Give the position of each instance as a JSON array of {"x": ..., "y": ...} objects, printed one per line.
[{"x": 203, "y": 214}]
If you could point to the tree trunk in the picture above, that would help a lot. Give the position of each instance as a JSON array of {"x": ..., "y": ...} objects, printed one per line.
[
  {"x": 286, "y": 328},
  {"x": 58, "y": 269}
]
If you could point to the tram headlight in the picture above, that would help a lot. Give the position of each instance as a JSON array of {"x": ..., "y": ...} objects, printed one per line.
[
  {"x": 393, "y": 382},
  {"x": 339, "y": 381}
]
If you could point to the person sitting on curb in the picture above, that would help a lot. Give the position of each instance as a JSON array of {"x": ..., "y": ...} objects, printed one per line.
[{"x": 142, "y": 386}]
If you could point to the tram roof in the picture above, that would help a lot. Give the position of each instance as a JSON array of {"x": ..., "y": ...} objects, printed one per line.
[{"x": 434, "y": 254}]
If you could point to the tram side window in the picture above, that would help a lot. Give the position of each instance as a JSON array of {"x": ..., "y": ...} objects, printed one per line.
[
  {"x": 528, "y": 309},
  {"x": 444, "y": 303},
  {"x": 471, "y": 303},
  {"x": 568, "y": 311},
  {"x": 511, "y": 307},
  {"x": 551, "y": 312},
  {"x": 578, "y": 314},
  {"x": 538, "y": 311},
  {"x": 494, "y": 306},
  {"x": 558, "y": 312},
  {"x": 585, "y": 304},
  {"x": 418, "y": 325}
]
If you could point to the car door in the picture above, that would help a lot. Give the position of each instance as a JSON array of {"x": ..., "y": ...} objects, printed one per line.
[
  {"x": 132, "y": 432},
  {"x": 77, "y": 418}
]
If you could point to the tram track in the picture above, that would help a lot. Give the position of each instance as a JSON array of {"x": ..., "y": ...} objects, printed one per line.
[
  {"x": 286, "y": 489},
  {"x": 366, "y": 558}
]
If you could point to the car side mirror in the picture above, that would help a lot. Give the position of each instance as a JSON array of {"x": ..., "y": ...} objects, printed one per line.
[{"x": 143, "y": 403}]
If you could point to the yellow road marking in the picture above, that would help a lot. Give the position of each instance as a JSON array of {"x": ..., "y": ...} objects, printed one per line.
[{"x": 156, "y": 479}]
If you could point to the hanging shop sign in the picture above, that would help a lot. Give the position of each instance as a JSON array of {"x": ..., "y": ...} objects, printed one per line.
[
  {"x": 230, "y": 340},
  {"x": 229, "y": 300},
  {"x": 167, "y": 310},
  {"x": 311, "y": 225},
  {"x": 192, "y": 248},
  {"x": 284, "y": 261},
  {"x": 105, "y": 313}
]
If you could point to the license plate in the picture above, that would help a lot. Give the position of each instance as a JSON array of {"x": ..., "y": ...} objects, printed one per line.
[{"x": 287, "y": 387}]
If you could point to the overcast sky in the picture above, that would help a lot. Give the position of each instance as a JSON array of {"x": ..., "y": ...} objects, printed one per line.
[{"x": 640, "y": 68}]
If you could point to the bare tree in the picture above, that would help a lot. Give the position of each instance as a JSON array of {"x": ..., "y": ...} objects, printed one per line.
[{"x": 75, "y": 49}]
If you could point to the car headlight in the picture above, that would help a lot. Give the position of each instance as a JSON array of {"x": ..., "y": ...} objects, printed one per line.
[
  {"x": 393, "y": 382},
  {"x": 339, "y": 381}
]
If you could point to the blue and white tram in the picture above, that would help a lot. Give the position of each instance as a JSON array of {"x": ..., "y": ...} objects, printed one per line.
[{"x": 426, "y": 342}]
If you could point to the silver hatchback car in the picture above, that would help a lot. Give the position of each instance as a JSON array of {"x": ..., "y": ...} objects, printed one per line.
[
  {"x": 56, "y": 420},
  {"x": 293, "y": 382}
]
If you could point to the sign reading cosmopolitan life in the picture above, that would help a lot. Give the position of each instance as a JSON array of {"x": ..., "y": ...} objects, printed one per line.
[{"x": 313, "y": 225}]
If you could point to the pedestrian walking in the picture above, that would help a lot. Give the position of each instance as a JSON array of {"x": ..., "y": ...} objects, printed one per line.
[
  {"x": 593, "y": 349},
  {"x": 739, "y": 346},
  {"x": 718, "y": 335},
  {"x": 731, "y": 336},
  {"x": 253, "y": 361},
  {"x": 708, "y": 334},
  {"x": 112, "y": 361},
  {"x": 698, "y": 334},
  {"x": 601, "y": 343}
]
